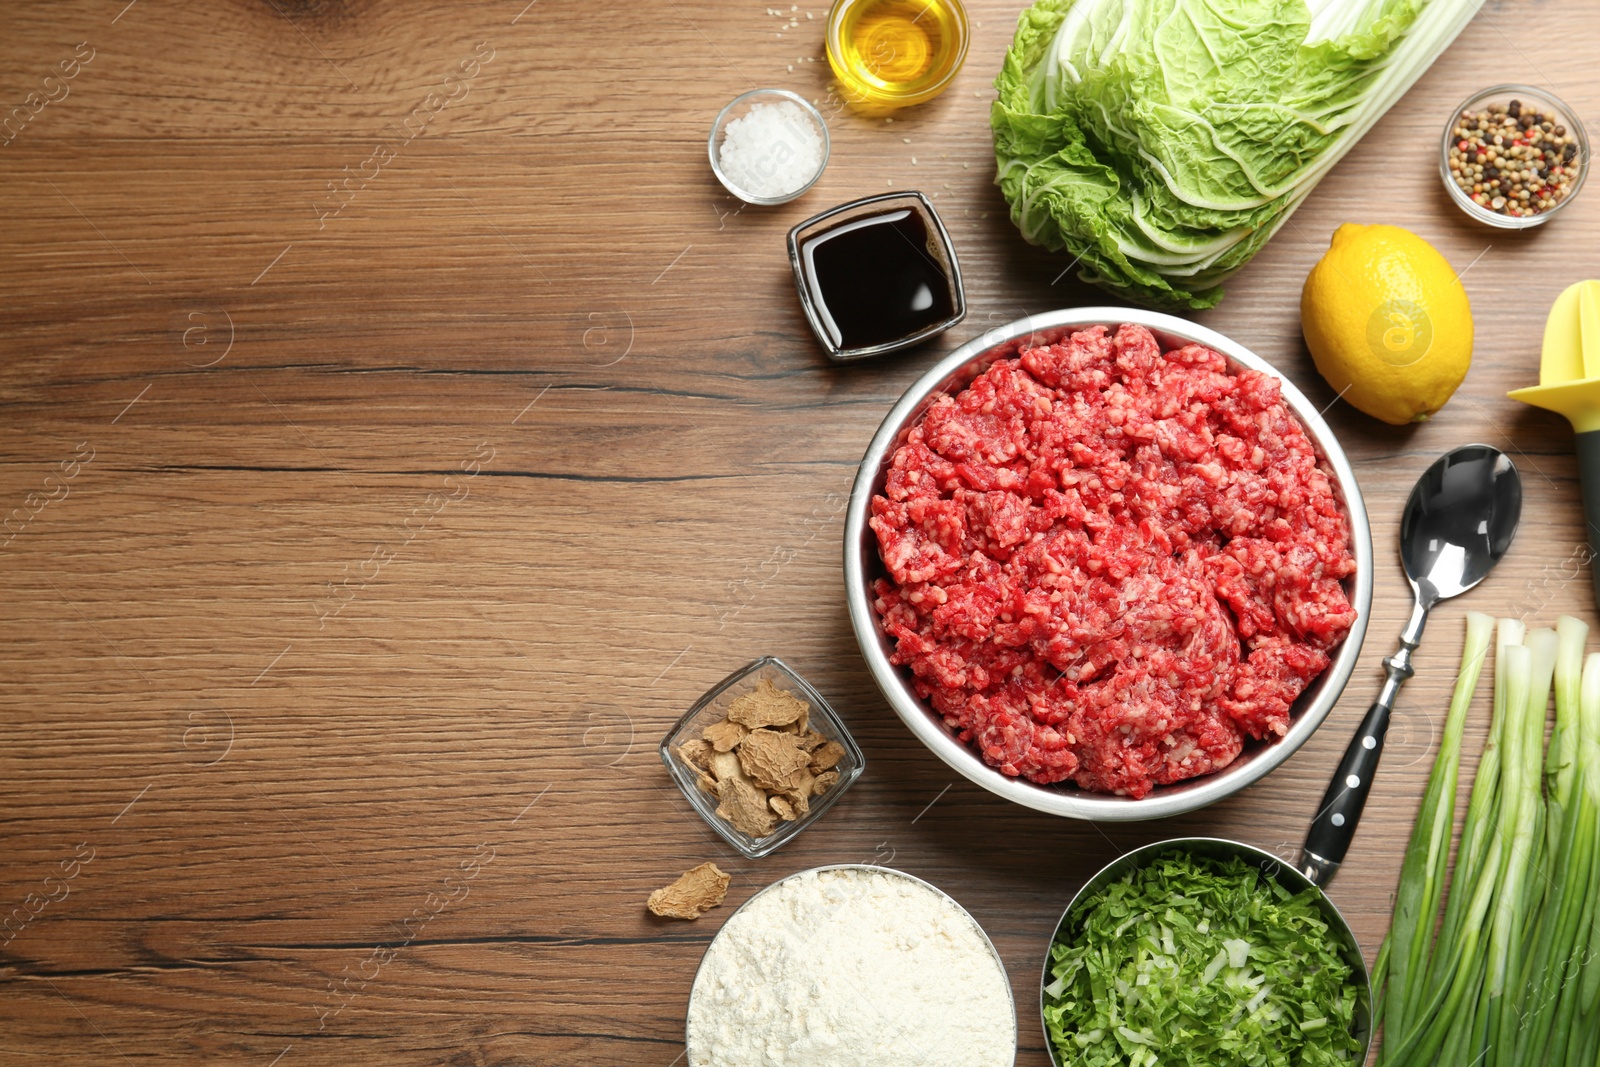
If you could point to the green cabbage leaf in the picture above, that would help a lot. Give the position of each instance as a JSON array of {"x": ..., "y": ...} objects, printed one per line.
[{"x": 1161, "y": 143}]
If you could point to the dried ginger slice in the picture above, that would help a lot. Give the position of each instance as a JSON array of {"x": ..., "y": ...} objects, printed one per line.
[
  {"x": 802, "y": 725},
  {"x": 696, "y": 754},
  {"x": 827, "y": 757},
  {"x": 724, "y": 735},
  {"x": 767, "y": 705},
  {"x": 800, "y": 801},
  {"x": 745, "y": 807},
  {"x": 725, "y": 765},
  {"x": 696, "y": 892},
  {"x": 823, "y": 781},
  {"x": 773, "y": 760},
  {"x": 810, "y": 740},
  {"x": 784, "y": 809}
]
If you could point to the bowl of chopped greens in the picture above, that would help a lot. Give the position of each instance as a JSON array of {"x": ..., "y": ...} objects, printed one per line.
[{"x": 1199, "y": 951}]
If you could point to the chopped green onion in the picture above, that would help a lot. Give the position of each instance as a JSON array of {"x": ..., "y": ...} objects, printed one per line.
[{"x": 1249, "y": 960}]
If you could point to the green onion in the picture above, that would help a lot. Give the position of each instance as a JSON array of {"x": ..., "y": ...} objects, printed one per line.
[
  {"x": 1522, "y": 823},
  {"x": 1453, "y": 972},
  {"x": 1586, "y": 1048},
  {"x": 1476, "y": 1030},
  {"x": 1513, "y": 976},
  {"x": 1561, "y": 762},
  {"x": 1550, "y": 965},
  {"x": 1423, "y": 872}
]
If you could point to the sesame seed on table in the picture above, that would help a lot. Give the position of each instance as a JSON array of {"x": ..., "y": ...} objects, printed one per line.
[{"x": 406, "y": 428}]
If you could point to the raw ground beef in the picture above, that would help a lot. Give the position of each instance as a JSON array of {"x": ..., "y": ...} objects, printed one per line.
[{"x": 1111, "y": 564}]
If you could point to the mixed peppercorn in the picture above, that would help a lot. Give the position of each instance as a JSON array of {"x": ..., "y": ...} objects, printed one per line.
[{"x": 1513, "y": 159}]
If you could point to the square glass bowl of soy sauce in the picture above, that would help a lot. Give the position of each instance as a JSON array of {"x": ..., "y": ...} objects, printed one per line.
[{"x": 876, "y": 275}]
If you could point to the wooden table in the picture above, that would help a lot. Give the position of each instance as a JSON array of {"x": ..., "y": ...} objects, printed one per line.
[{"x": 385, "y": 495}]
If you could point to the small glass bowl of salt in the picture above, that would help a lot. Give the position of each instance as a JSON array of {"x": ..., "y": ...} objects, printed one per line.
[{"x": 768, "y": 146}]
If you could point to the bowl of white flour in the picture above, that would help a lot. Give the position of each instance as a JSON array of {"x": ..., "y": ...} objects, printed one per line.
[{"x": 851, "y": 966}]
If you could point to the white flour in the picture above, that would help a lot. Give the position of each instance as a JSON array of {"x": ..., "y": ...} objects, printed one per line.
[{"x": 851, "y": 967}]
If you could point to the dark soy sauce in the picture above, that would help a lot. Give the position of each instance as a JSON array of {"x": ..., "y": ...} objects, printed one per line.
[{"x": 876, "y": 279}]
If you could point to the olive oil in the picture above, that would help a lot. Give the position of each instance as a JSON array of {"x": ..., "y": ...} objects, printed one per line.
[
  {"x": 896, "y": 52},
  {"x": 877, "y": 279}
]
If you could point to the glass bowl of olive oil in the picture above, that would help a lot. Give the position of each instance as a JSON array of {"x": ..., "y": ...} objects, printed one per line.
[{"x": 891, "y": 53}]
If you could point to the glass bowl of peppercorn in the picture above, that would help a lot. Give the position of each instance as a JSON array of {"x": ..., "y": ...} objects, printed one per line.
[{"x": 1512, "y": 156}]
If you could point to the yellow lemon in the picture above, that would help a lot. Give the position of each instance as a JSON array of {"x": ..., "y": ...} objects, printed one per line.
[{"x": 1387, "y": 322}]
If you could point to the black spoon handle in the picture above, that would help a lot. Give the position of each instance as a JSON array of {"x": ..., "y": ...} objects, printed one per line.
[
  {"x": 1588, "y": 447},
  {"x": 1335, "y": 824},
  {"x": 1340, "y": 810}
]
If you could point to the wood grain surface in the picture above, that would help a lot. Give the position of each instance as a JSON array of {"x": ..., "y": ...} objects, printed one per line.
[{"x": 379, "y": 510}]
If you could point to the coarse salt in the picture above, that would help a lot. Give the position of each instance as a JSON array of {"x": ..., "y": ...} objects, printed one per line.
[
  {"x": 851, "y": 968},
  {"x": 772, "y": 150}
]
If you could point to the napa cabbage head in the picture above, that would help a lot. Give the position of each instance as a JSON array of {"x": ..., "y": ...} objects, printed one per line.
[{"x": 1161, "y": 143}]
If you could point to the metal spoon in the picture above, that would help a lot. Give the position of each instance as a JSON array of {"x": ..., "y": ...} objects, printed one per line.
[{"x": 1457, "y": 525}]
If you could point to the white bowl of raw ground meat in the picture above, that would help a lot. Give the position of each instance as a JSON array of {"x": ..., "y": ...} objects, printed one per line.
[{"x": 1108, "y": 564}]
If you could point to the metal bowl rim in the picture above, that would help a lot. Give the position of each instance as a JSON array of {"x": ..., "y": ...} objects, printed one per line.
[
  {"x": 877, "y": 869},
  {"x": 1163, "y": 801}
]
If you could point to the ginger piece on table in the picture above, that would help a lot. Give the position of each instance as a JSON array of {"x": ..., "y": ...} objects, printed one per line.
[{"x": 696, "y": 892}]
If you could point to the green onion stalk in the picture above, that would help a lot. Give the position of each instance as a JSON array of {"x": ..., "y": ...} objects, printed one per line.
[
  {"x": 1561, "y": 762},
  {"x": 1547, "y": 1004},
  {"x": 1467, "y": 1044},
  {"x": 1443, "y": 1020},
  {"x": 1434, "y": 996},
  {"x": 1477, "y": 836},
  {"x": 1524, "y": 881},
  {"x": 1513, "y": 976},
  {"x": 1583, "y": 1017},
  {"x": 1406, "y": 951}
]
